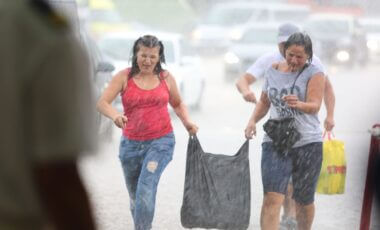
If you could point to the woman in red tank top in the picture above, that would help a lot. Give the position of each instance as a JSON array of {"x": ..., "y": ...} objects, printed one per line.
[{"x": 147, "y": 143}]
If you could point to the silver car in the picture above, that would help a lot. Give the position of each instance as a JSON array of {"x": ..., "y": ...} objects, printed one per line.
[
  {"x": 101, "y": 75},
  {"x": 101, "y": 71},
  {"x": 256, "y": 40},
  {"x": 226, "y": 22},
  {"x": 372, "y": 28},
  {"x": 338, "y": 39}
]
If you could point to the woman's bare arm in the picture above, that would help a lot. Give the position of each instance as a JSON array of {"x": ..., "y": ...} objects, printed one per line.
[
  {"x": 314, "y": 96},
  {"x": 178, "y": 105},
  {"x": 110, "y": 93}
]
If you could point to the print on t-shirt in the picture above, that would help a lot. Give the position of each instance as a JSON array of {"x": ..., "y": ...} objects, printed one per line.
[{"x": 275, "y": 96}]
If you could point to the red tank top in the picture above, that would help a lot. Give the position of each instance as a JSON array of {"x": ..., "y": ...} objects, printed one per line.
[{"x": 146, "y": 110}]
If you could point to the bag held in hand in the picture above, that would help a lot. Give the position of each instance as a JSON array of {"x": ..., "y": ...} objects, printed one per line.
[
  {"x": 283, "y": 133},
  {"x": 332, "y": 178},
  {"x": 217, "y": 189}
]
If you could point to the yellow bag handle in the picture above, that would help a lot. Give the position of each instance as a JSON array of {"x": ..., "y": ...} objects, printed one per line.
[{"x": 330, "y": 135}]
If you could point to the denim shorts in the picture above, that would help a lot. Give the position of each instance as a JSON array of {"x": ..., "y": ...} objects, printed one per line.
[{"x": 302, "y": 164}]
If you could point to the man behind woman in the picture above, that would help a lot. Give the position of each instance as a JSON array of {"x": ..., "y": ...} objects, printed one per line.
[{"x": 46, "y": 120}]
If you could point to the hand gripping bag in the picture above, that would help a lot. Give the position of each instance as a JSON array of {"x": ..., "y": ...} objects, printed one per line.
[
  {"x": 332, "y": 178},
  {"x": 217, "y": 189}
]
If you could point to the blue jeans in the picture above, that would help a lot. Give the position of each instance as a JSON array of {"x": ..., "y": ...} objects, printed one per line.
[{"x": 143, "y": 163}]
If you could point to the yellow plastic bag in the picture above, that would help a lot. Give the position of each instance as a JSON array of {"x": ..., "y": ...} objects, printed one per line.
[{"x": 333, "y": 172}]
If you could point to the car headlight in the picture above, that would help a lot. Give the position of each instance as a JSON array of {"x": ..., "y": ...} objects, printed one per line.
[
  {"x": 231, "y": 58},
  {"x": 196, "y": 34},
  {"x": 235, "y": 34},
  {"x": 373, "y": 45},
  {"x": 342, "y": 56}
]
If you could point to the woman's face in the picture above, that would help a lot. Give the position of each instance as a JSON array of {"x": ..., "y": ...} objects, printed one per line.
[
  {"x": 296, "y": 57},
  {"x": 147, "y": 59}
]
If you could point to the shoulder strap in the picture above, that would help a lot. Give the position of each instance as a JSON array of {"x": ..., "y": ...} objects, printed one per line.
[{"x": 299, "y": 73}]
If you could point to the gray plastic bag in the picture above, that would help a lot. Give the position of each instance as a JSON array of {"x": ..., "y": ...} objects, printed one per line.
[{"x": 217, "y": 191}]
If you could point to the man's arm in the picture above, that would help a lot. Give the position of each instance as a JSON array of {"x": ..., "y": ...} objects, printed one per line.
[
  {"x": 63, "y": 196},
  {"x": 329, "y": 99},
  {"x": 253, "y": 73},
  {"x": 243, "y": 84}
]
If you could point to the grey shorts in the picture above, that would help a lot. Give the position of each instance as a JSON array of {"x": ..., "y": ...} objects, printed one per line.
[{"x": 302, "y": 164}]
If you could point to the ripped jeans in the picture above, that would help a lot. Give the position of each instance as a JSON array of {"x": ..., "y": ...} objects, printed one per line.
[{"x": 143, "y": 163}]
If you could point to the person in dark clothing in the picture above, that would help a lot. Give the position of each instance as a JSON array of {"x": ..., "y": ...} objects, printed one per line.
[{"x": 46, "y": 121}]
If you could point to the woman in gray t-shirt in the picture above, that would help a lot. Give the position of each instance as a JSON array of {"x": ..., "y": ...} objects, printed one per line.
[{"x": 303, "y": 161}]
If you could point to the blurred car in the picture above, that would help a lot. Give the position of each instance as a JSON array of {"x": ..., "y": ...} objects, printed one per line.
[
  {"x": 184, "y": 66},
  {"x": 372, "y": 28},
  {"x": 338, "y": 39},
  {"x": 256, "y": 40},
  {"x": 101, "y": 21},
  {"x": 100, "y": 69},
  {"x": 101, "y": 75},
  {"x": 225, "y": 22}
]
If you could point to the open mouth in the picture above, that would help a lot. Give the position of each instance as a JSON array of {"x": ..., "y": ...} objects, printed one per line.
[{"x": 293, "y": 68}]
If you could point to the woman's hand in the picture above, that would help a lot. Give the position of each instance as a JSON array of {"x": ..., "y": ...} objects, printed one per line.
[
  {"x": 250, "y": 130},
  {"x": 120, "y": 121},
  {"x": 329, "y": 123},
  {"x": 191, "y": 128},
  {"x": 292, "y": 101}
]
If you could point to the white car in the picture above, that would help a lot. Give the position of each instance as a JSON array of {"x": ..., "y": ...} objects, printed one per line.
[
  {"x": 225, "y": 22},
  {"x": 185, "y": 68}
]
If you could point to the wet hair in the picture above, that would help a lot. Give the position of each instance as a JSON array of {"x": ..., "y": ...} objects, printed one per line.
[
  {"x": 148, "y": 41},
  {"x": 300, "y": 39}
]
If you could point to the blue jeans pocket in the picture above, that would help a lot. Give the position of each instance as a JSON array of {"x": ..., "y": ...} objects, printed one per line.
[
  {"x": 165, "y": 146},
  {"x": 127, "y": 148}
]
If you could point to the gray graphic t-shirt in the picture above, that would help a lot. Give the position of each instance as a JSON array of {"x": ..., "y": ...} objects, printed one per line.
[{"x": 278, "y": 84}]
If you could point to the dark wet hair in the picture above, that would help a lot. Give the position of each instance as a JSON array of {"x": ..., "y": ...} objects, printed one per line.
[
  {"x": 149, "y": 41},
  {"x": 300, "y": 39}
]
